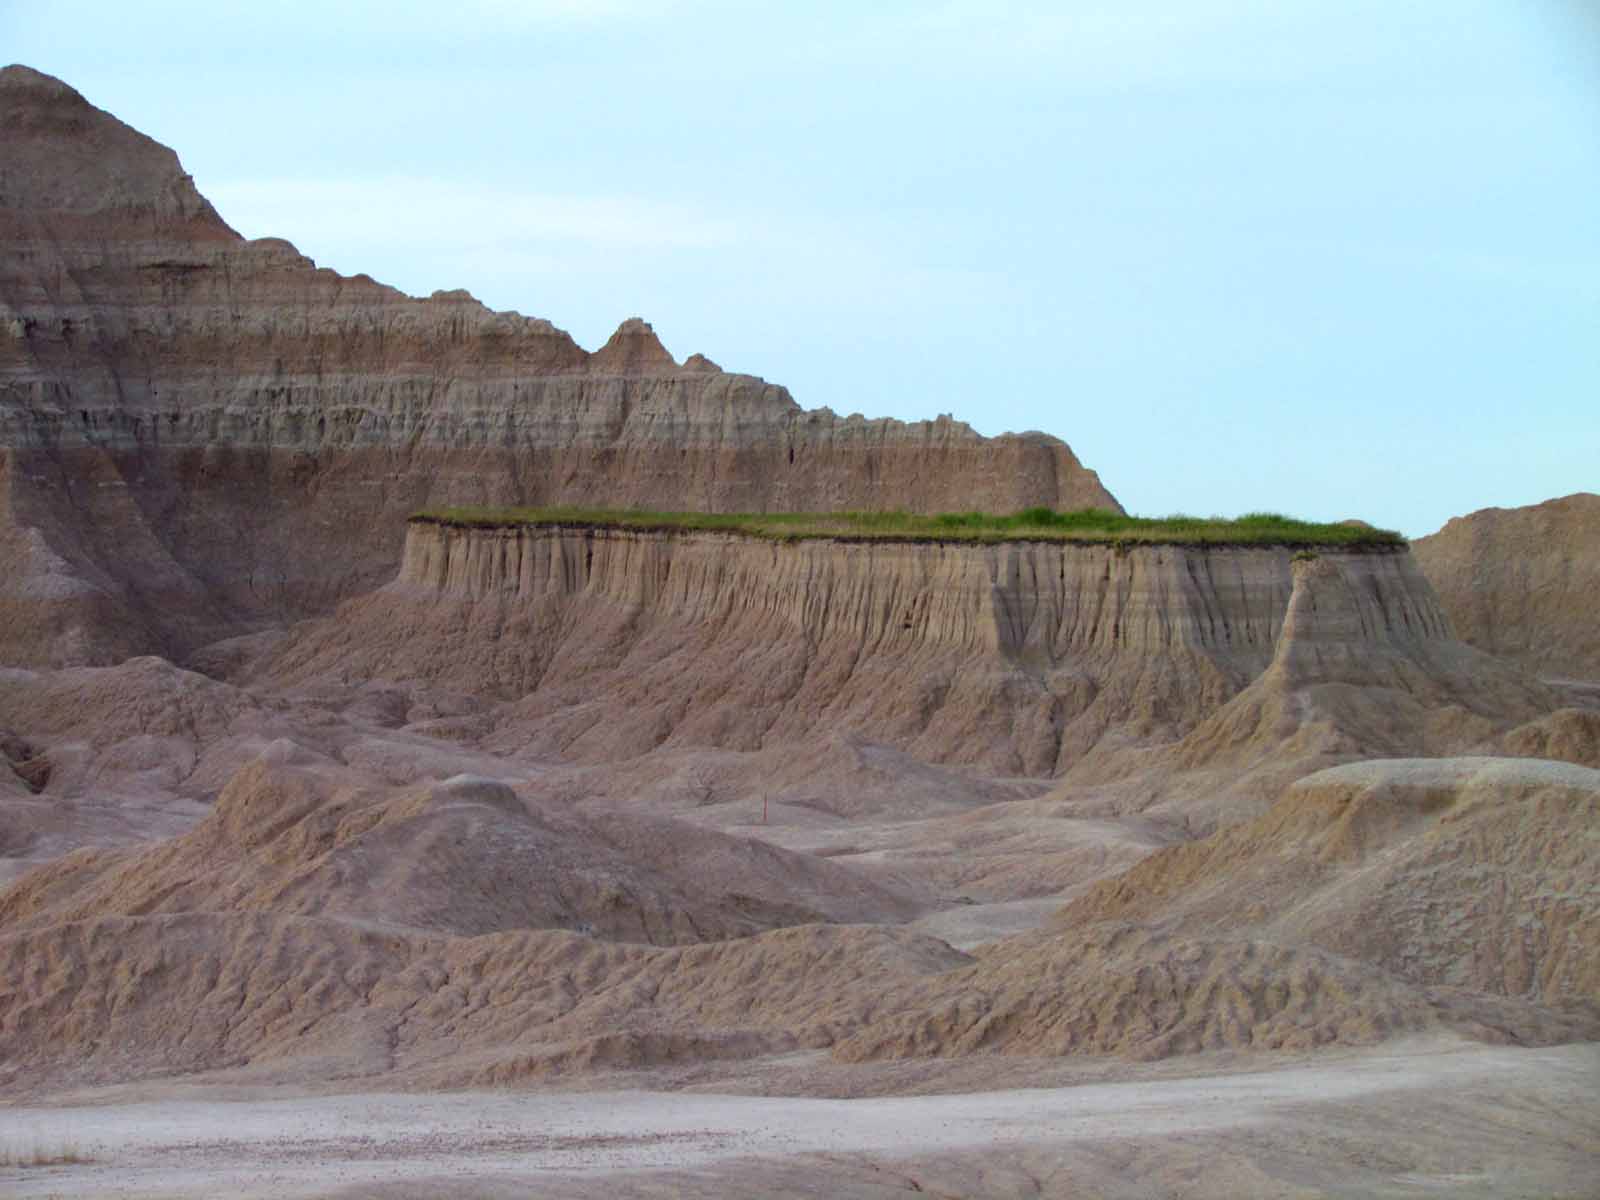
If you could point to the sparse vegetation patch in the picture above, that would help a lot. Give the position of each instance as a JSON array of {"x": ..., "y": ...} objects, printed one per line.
[
  {"x": 1092, "y": 525},
  {"x": 59, "y": 1154}
]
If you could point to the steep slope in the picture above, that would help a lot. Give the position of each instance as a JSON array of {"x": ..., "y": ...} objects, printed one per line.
[
  {"x": 1356, "y": 675},
  {"x": 1021, "y": 656},
  {"x": 1036, "y": 658},
  {"x": 199, "y": 432},
  {"x": 1521, "y": 582},
  {"x": 1447, "y": 872},
  {"x": 1365, "y": 665}
]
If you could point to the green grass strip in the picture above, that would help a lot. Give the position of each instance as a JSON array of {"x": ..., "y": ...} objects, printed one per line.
[{"x": 1032, "y": 524}]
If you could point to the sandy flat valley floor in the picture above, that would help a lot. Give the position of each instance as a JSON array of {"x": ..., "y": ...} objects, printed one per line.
[{"x": 1413, "y": 1119}]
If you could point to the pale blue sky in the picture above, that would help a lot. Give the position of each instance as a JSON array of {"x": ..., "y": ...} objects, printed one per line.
[{"x": 1331, "y": 257}]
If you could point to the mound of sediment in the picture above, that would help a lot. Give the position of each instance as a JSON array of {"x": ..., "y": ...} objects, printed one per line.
[
  {"x": 1373, "y": 899},
  {"x": 109, "y": 755},
  {"x": 1521, "y": 582},
  {"x": 1567, "y": 735},
  {"x": 1143, "y": 994},
  {"x": 1475, "y": 872},
  {"x": 296, "y": 835},
  {"x": 142, "y": 697},
  {"x": 199, "y": 432},
  {"x": 127, "y": 997}
]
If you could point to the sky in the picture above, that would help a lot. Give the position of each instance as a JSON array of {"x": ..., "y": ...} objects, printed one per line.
[{"x": 1335, "y": 258}]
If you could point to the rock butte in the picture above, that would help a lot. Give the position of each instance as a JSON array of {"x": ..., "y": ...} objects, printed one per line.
[
  {"x": 431, "y": 806},
  {"x": 200, "y": 432},
  {"x": 1021, "y": 657}
]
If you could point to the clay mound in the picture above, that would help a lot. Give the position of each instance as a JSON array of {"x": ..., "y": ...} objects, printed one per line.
[
  {"x": 124, "y": 997},
  {"x": 1141, "y": 994},
  {"x": 110, "y": 755},
  {"x": 142, "y": 697},
  {"x": 292, "y": 835},
  {"x": 120, "y": 998},
  {"x": 1373, "y": 900},
  {"x": 1567, "y": 735},
  {"x": 1467, "y": 873},
  {"x": 1521, "y": 582}
]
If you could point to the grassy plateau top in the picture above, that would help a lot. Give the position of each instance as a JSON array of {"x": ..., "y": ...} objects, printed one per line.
[{"x": 1092, "y": 525}]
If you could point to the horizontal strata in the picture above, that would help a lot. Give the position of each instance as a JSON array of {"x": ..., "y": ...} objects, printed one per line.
[
  {"x": 1017, "y": 597},
  {"x": 1022, "y": 655},
  {"x": 201, "y": 434}
]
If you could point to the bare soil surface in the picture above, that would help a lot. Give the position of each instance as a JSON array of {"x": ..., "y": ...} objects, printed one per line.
[{"x": 1415, "y": 1119}]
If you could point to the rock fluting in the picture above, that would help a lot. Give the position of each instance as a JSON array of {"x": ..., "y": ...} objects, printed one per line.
[
  {"x": 1521, "y": 582},
  {"x": 199, "y": 431},
  {"x": 1021, "y": 656}
]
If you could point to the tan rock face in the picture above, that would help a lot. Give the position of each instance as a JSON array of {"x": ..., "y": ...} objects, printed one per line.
[
  {"x": 1521, "y": 582},
  {"x": 199, "y": 431},
  {"x": 1023, "y": 657}
]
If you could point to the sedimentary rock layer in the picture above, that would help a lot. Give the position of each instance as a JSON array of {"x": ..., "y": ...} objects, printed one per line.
[
  {"x": 199, "y": 431},
  {"x": 1023, "y": 656}
]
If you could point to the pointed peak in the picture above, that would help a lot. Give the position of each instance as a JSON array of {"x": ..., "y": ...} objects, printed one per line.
[
  {"x": 634, "y": 347},
  {"x": 701, "y": 365},
  {"x": 68, "y": 161}
]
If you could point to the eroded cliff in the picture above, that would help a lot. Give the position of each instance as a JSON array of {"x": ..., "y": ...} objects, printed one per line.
[
  {"x": 1023, "y": 656},
  {"x": 200, "y": 433}
]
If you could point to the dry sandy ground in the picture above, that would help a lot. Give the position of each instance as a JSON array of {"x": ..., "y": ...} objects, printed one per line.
[{"x": 1410, "y": 1120}]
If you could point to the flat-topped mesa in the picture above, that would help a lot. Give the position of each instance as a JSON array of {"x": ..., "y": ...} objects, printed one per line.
[
  {"x": 1022, "y": 655},
  {"x": 201, "y": 433},
  {"x": 1021, "y": 599}
]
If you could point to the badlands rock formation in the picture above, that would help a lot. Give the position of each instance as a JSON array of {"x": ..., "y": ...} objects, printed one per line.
[
  {"x": 431, "y": 807},
  {"x": 1354, "y": 910},
  {"x": 1019, "y": 656},
  {"x": 200, "y": 433},
  {"x": 1032, "y": 658},
  {"x": 463, "y": 931},
  {"x": 1521, "y": 582}
]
